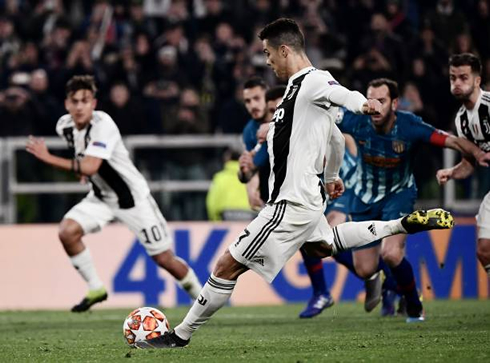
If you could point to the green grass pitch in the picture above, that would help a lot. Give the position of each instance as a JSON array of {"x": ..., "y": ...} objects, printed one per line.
[{"x": 455, "y": 331}]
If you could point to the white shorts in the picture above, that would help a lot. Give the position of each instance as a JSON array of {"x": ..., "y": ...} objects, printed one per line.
[
  {"x": 144, "y": 219},
  {"x": 483, "y": 218},
  {"x": 277, "y": 233}
]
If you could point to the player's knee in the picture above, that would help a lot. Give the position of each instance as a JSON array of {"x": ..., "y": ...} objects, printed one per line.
[
  {"x": 164, "y": 259},
  {"x": 483, "y": 250},
  {"x": 365, "y": 268},
  {"x": 69, "y": 232},
  {"x": 392, "y": 257},
  {"x": 228, "y": 268}
]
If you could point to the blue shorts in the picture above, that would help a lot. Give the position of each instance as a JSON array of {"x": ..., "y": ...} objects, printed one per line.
[
  {"x": 393, "y": 206},
  {"x": 341, "y": 204}
]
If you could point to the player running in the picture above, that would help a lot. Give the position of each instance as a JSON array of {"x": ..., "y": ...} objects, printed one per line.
[
  {"x": 118, "y": 191},
  {"x": 302, "y": 134},
  {"x": 473, "y": 123}
]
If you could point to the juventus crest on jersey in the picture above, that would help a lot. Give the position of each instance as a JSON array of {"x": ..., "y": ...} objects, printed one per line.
[
  {"x": 475, "y": 124},
  {"x": 117, "y": 181}
]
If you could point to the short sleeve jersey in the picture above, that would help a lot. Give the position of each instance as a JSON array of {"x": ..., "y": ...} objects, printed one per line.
[
  {"x": 117, "y": 181},
  {"x": 299, "y": 137}
]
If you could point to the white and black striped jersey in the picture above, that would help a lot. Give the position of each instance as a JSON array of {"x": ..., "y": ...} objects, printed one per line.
[
  {"x": 117, "y": 181},
  {"x": 474, "y": 124},
  {"x": 300, "y": 133}
]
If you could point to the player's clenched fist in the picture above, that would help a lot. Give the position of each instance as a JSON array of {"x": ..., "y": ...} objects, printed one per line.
[
  {"x": 335, "y": 189},
  {"x": 371, "y": 107},
  {"x": 444, "y": 175},
  {"x": 262, "y": 133}
]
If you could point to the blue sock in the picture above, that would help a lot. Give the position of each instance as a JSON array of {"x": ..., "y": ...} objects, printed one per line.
[
  {"x": 346, "y": 259},
  {"x": 389, "y": 283},
  {"x": 314, "y": 267},
  {"x": 405, "y": 279}
]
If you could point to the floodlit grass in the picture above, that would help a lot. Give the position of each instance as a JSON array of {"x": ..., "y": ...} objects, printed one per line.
[{"x": 455, "y": 331}]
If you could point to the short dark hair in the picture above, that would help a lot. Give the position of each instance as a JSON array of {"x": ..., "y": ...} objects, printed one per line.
[
  {"x": 283, "y": 31},
  {"x": 274, "y": 93},
  {"x": 255, "y": 82},
  {"x": 391, "y": 84},
  {"x": 77, "y": 83},
  {"x": 466, "y": 59}
]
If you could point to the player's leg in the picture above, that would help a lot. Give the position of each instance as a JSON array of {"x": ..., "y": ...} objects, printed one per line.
[
  {"x": 321, "y": 298},
  {"x": 483, "y": 243},
  {"x": 393, "y": 252},
  {"x": 264, "y": 247},
  {"x": 88, "y": 216},
  {"x": 351, "y": 235},
  {"x": 148, "y": 223}
]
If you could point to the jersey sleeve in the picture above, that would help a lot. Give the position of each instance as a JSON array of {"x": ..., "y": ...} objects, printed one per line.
[
  {"x": 347, "y": 121},
  {"x": 61, "y": 125},
  {"x": 104, "y": 137},
  {"x": 324, "y": 89},
  {"x": 421, "y": 131}
]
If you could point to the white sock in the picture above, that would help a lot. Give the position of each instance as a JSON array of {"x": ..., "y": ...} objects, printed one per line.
[
  {"x": 356, "y": 234},
  {"x": 487, "y": 268},
  {"x": 214, "y": 295},
  {"x": 85, "y": 266},
  {"x": 191, "y": 284}
]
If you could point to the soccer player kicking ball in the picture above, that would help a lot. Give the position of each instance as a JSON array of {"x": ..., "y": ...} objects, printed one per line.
[
  {"x": 118, "y": 191},
  {"x": 472, "y": 123},
  {"x": 302, "y": 133}
]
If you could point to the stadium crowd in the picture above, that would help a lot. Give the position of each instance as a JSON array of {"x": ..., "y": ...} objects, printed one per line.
[{"x": 177, "y": 66}]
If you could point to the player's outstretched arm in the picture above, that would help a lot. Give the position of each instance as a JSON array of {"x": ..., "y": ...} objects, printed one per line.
[
  {"x": 88, "y": 165},
  {"x": 460, "y": 171},
  {"x": 468, "y": 149}
]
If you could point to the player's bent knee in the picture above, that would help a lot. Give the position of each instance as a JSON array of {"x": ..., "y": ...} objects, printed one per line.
[
  {"x": 483, "y": 250},
  {"x": 69, "y": 231},
  {"x": 365, "y": 270},
  {"x": 392, "y": 257},
  {"x": 164, "y": 259},
  {"x": 228, "y": 268}
]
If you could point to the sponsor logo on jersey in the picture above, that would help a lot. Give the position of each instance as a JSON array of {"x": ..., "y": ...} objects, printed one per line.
[
  {"x": 381, "y": 161},
  {"x": 99, "y": 144},
  {"x": 398, "y": 146}
]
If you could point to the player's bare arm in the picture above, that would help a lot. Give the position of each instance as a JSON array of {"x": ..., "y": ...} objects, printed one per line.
[
  {"x": 247, "y": 166},
  {"x": 460, "y": 171},
  {"x": 468, "y": 149},
  {"x": 262, "y": 132},
  {"x": 88, "y": 165}
]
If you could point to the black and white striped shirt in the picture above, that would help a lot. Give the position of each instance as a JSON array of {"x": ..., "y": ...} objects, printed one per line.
[
  {"x": 300, "y": 135},
  {"x": 117, "y": 182},
  {"x": 474, "y": 124}
]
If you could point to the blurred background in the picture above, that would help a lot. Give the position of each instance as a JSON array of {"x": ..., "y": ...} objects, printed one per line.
[{"x": 170, "y": 74}]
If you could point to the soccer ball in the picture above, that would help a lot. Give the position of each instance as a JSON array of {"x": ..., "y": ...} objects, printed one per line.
[{"x": 144, "y": 323}]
